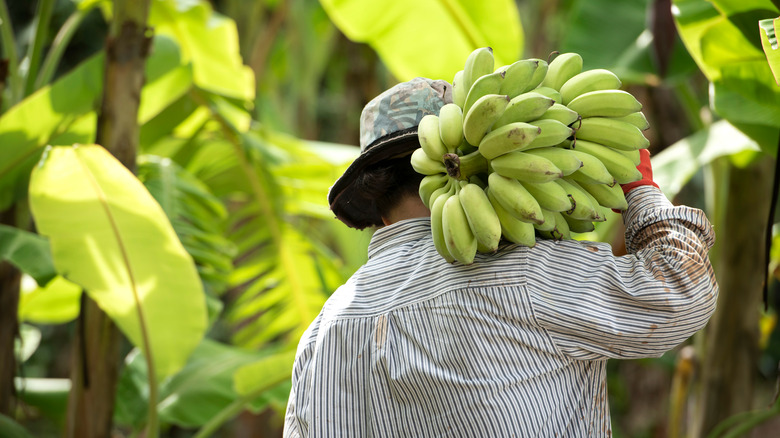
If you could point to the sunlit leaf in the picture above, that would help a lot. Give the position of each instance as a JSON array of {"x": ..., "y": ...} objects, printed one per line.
[
  {"x": 264, "y": 373},
  {"x": 209, "y": 41},
  {"x": 430, "y": 38},
  {"x": 26, "y": 128},
  {"x": 167, "y": 78},
  {"x": 56, "y": 303},
  {"x": 770, "y": 45},
  {"x": 28, "y": 251},
  {"x": 111, "y": 237}
]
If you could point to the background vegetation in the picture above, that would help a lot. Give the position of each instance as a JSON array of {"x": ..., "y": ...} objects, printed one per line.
[{"x": 157, "y": 284}]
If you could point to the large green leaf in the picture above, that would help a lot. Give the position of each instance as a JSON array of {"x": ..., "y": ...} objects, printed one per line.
[
  {"x": 191, "y": 397},
  {"x": 677, "y": 164},
  {"x": 198, "y": 217},
  {"x": 30, "y": 125},
  {"x": 109, "y": 235},
  {"x": 11, "y": 429},
  {"x": 28, "y": 251},
  {"x": 430, "y": 38},
  {"x": 209, "y": 41},
  {"x": 63, "y": 113},
  {"x": 722, "y": 38},
  {"x": 620, "y": 40},
  {"x": 770, "y": 45}
]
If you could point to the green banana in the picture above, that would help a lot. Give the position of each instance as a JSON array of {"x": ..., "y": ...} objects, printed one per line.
[
  {"x": 549, "y": 92},
  {"x": 525, "y": 167},
  {"x": 465, "y": 148},
  {"x": 483, "y": 85},
  {"x": 620, "y": 166},
  {"x": 481, "y": 116},
  {"x": 637, "y": 119},
  {"x": 437, "y": 229},
  {"x": 524, "y": 108},
  {"x": 610, "y": 196},
  {"x": 430, "y": 184},
  {"x": 458, "y": 237},
  {"x": 592, "y": 170},
  {"x": 561, "y": 113},
  {"x": 518, "y": 77},
  {"x": 561, "y": 69},
  {"x": 560, "y": 231},
  {"x": 451, "y": 126},
  {"x": 605, "y": 103},
  {"x": 539, "y": 74},
  {"x": 480, "y": 62},
  {"x": 583, "y": 208},
  {"x": 482, "y": 217},
  {"x": 634, "y": 155},
  {"x": 512, "y": 229},
  {"x": 429, "y": 137},
  {"x": 550, "y": 196},
  {"x": 611, "y": 132},
  {"x": 579, "y": 226},
  {"x": 589, "y": 80},
  {"x": 552, "y": 133},
  {"x": 459, "y": 90},
  {"x": 507, "y": 138},
  {"x": 548, "y": 224},
  {"x": 600, "y": 215},
  {"x": 423, "y": 164},
  {"x": 564, "y": 159},
  {"x": 515, "y": 199}
]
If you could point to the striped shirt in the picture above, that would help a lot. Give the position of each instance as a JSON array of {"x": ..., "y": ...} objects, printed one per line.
[{"x": 513, "y": 345}]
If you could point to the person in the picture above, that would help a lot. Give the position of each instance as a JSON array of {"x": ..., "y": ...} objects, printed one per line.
[{"x": 515, "y": 344}]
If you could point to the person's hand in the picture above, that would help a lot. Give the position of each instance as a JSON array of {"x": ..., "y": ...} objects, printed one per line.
[{"x": 646, "y": 170}]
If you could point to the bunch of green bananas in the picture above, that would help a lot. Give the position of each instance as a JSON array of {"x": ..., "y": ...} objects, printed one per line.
[{"x": 525, "y": 150}]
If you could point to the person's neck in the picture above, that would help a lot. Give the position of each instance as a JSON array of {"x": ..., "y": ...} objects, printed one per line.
[{"x": 408, "y": 208}]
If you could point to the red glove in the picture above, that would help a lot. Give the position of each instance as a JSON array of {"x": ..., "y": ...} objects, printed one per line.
[{"x": 647, "y": 173}]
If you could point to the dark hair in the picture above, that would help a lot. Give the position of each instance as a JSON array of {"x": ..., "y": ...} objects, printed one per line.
[{"x": 386, "y": 183}]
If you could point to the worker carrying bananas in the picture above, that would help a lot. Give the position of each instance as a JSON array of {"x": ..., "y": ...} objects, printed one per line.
[{"x": 515, "y": 343}]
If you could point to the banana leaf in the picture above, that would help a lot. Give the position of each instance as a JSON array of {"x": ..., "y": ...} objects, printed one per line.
[
  {"x": 27, "y": 251},
  {"x": 56, "y": 303},
  {"x": 111, "y": 237},
  {"x": 430, "y": 38},
  {"x": 770, "y": 45}
]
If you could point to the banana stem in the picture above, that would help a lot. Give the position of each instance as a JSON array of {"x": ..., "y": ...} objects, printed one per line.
[{"x": 463, "y": 167}]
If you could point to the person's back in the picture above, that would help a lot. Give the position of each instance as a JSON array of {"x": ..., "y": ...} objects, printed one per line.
[{"x": 514, "y": 344}]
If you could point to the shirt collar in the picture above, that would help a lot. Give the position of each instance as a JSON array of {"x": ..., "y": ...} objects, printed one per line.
[{"x": 399, "y": 233}]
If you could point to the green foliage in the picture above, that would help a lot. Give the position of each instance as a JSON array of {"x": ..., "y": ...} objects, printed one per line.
[
  {"x": 28, "y": 251},
  {"x": 55, "y": 303},
  {"x": 770, "y": 45},
  {"x": 623, "y": 41},
  {"x": 111, "y": 237},
  {"x": 430, "y": 39},
  {"x": 724, "y": 39}
]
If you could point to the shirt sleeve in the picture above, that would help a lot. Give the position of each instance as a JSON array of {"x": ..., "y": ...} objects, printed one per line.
[
  {"x": 595, "y": 305},
  {"x": 296, "y": 417}
]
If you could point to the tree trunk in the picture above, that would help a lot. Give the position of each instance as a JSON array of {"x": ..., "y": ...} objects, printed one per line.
[
  {"x": 96, "y": 360},
  {"x": 730, "y": 357},
  {"x": 10, "y": 279}
]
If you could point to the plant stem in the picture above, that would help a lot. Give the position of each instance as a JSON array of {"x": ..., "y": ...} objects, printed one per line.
[
  {"x": 59, "y": 45},
  {"x": 43, "y": 16},
  {"x": 9, "y": 52}
]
